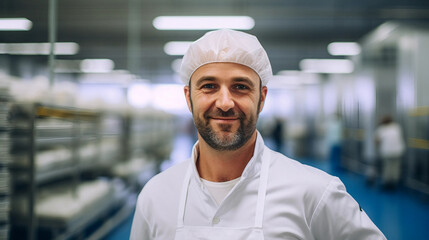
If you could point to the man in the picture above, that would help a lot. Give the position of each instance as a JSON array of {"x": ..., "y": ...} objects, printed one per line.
[
  {"x": 391, "y": 147},
  {"x": 234, "y": 187},
  {"x": 333, "y": 139}
]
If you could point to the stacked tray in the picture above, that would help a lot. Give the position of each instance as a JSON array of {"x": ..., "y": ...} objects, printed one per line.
[
  {"x": 58, "y": 204},
  {"x": 4, "y": 148}
]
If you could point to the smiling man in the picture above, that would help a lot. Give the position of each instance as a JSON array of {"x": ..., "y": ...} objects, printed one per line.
[
  {"x": 225, "y": 100},
  {"x": 233, "y": 187}
]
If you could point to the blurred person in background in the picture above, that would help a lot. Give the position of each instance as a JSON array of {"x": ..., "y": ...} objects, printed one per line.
[
  {"x": 233, "y": 187},
  {"x": 391, "y": 147},
  {"x": 334, "y": 135},
  {"x": 277, "y": 133}
]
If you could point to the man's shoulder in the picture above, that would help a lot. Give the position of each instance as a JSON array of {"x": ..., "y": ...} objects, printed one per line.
[
  {"x": 158, "y": 202},
  {"x": 168, "y": 180},
  {"x": 291, "y": 170}
]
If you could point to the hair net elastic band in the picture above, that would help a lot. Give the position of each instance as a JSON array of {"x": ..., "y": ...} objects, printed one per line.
[{"x": 202, "y": 64}]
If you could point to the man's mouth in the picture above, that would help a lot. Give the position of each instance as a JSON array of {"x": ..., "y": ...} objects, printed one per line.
[{"x": 225, "y": 119}]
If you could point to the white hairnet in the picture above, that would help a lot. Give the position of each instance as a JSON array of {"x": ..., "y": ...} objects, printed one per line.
[{"x": 226, "y": 46}]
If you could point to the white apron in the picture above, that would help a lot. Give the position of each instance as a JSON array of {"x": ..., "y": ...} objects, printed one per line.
[{"x": 224, "y": 233}]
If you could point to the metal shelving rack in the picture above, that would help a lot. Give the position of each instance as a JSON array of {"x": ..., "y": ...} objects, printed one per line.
[
  {"x": 4, "y": 165},
  {"x": 80, "y": 127},
  {"x": 417, "y": 165},
  {"x": 352, "y": 157}
]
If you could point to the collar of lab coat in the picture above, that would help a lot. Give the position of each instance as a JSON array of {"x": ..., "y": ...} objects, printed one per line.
[{"x": 252, "y": 168}]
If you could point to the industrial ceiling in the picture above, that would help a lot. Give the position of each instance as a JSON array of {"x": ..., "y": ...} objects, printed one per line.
[{"x": 290, "y": 30}]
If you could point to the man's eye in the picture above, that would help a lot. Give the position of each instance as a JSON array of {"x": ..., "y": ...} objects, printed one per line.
[
  {"x": 241, "y": 87},
  {"x": 208, "y": 86}
]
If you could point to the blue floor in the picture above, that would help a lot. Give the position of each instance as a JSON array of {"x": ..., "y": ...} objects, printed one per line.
[{"x": 400, "y": 214}]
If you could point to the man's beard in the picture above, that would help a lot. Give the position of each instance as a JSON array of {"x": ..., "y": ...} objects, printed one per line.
[{"x": 219, "y": 141}]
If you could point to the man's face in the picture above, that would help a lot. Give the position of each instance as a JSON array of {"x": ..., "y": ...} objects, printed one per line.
[{"x": 225, "y": 100}]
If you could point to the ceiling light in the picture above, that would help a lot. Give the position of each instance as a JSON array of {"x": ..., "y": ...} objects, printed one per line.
[
  {"x": 344, "y": 48},
  {"x": 203, "y": 22},
  {"x": 62, "y": 48},
  {"x": 176, "y": 47},
  {"x": 297, "y": 80},
  {"x": 97, "y": 65},
  {"x": 15, "y": 24},
  {"x": 288, "y": 72},
  {"x": 327, "y": 65},
  {"x": 283, "y": 82}
]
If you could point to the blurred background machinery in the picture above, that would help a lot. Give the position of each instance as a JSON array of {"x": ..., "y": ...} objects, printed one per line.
[{"x": 91, "y": 105}]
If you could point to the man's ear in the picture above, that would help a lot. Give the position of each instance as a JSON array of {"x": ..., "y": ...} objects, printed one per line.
[
  {"x": 264, "y": 92},
  {"x": 187, "y": 91}
]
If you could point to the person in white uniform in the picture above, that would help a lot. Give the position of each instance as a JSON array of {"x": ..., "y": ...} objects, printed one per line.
[
  {"x": 391, "y": 147},
  {"x": 233, "y": 186}
]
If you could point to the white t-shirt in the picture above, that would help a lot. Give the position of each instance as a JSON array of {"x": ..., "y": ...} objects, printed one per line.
[
  {"x": 301, "y": 202},
  {"x": 219, "y": 190}
]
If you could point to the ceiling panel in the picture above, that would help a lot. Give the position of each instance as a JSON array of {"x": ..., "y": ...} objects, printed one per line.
[{"x": 289, "y": 30}]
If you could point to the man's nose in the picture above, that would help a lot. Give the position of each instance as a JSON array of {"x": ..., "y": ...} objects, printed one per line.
[{"x": 224, "y": 100}]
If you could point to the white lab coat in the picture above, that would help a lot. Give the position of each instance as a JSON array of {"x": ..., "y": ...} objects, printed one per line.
[
  {"x": 391, "y": 140},
  {"x": 301, "y": 202}
]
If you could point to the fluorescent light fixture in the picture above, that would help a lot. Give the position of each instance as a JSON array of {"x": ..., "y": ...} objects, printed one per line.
[
  {"x": 97, "y": 65},
  {"x": 292, "y": 81},
  {"x": 327, "y": 65},
  {"x": 15, "y": 24},
  {"x": 283, "y": 85},
  {"x": 120, "y": 78},
  {"x": 203, "y": 22},
  {"x": 86, "y": 66},
  {"x": 289, "y": 72},
  {"x": 283, "y": 81},
  {"x": 175, "y": 48},
  {"x": 61, "y": 48},
  {"x": 344, "y": 48}
]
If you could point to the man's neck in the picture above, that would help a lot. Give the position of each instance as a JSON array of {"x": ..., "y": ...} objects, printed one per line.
[{"x": 221, "y": 166}]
